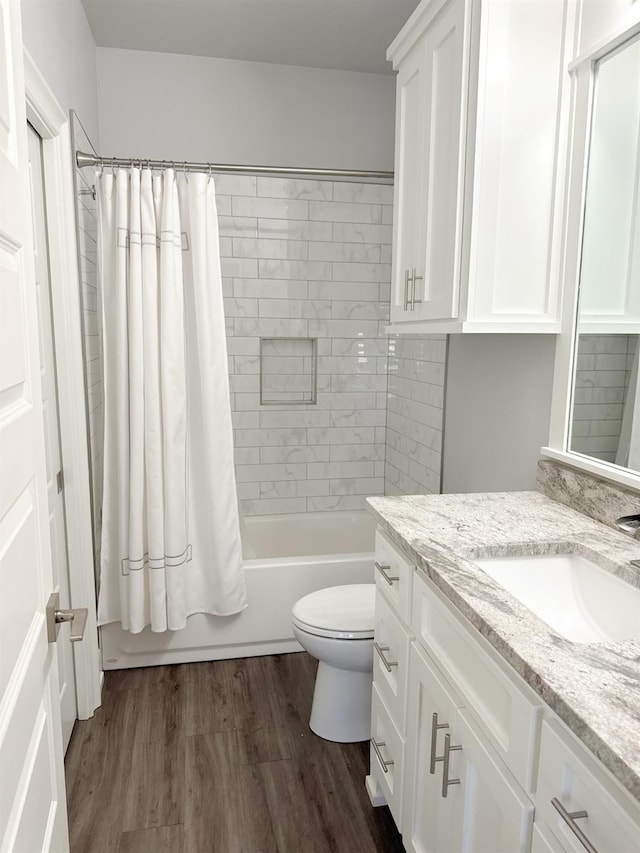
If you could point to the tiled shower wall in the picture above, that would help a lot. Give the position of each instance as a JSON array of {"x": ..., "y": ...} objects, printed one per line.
[
  {"x": 307, "y": 259},
  {"x": 415, "y": 403},
  {"x": 87, "y": 259},
  {"x": 603, "y": 370}
]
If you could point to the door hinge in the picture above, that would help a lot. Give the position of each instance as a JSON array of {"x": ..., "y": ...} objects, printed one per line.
[{"x": 60, "y": 480}]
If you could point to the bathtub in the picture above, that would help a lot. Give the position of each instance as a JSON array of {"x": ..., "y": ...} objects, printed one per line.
[{"x": 285, "y": 557}]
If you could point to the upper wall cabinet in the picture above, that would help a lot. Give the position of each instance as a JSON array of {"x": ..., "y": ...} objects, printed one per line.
[{"x": 478, "y": 112}]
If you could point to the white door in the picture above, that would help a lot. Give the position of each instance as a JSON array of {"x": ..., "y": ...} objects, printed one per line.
[
  {"x": 32, "y": 793},
  {"x": 409, "y": 193},
  {"x": 490, "y": 813},
  {"x": 439, "y": 261},
  {"x": 55, "y": 500},
  {"x": 426, "y": 818}
]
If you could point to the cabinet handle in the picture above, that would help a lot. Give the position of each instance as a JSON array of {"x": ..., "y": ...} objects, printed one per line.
[
  {"x": 390, "y": 579},
  {"x": 435, "y": 725},
  {"x": 414, "y": 277},
  {"x": 406, "y": 289},
  {"x": 381, "y": 651},
  {"x": 376, "y": 748},
  {"x": 570, "y": 819},
  {"x": 445, "y": 765}
]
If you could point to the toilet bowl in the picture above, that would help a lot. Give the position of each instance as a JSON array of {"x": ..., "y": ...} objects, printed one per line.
[{"x": 335, "y": 625}]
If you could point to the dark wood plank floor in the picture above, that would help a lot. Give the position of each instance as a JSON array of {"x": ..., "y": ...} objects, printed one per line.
[{"x": 218, "y": 757}]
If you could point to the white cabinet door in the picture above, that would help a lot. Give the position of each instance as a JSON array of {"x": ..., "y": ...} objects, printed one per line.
[
  {"x": 409, "y": 197},
  {"x": 444, "y": 110},
  {"x": 426, "y": 814},
  {"x": 428, "y": 205},
  {"x": 32, "y": 793},
  {"x": 489, "y": 810}
]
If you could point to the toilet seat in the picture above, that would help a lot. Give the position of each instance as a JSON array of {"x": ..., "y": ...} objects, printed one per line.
[{"x": 338, "y": 612}]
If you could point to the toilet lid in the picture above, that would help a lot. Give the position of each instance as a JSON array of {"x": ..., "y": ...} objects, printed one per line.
[{"x": 344, "y": 612}]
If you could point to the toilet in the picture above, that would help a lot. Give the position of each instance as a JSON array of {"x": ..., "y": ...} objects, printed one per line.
[{"x": 335, "y": 625}]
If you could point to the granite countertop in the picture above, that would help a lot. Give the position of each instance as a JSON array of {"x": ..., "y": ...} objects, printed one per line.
[{"x": 593, "y": 687}]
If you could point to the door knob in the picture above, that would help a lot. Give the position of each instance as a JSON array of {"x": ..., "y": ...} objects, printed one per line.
[{"x": 56, "y": 616}]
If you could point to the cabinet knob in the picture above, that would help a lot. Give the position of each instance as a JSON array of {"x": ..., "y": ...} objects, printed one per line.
[
  {"x": 445, "y": 765},
  {"x": 389, "y": 664},
  {"x": 435, "y": 725},
  {"x": 415, "y": 277},
  {"x": 570, "y": 819},
  {"x": 390, "y": 579},
  {"x": 384, "y": 763},
  {"x": 407, "y": 279}
]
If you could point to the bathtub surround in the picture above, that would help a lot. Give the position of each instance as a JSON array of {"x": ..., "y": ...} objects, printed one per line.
[
  {"x": 415, "y": 401},
  {"x": 171, "y": 539},
  {"x": 307, "y": 259},
  {"x": 600, "y": 499}
]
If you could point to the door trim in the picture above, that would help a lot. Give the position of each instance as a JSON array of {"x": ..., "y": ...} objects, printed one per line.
[{"x": 49, "y": 120}]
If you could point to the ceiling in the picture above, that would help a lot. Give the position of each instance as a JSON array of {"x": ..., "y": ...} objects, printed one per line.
[{"x": 349, "y": 35}]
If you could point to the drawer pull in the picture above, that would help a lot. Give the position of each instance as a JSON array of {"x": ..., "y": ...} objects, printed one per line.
[
  {"x": 406, "y": 289},
  {"x": 381, "y": 651},
  {"x": 570, "y": 819},
  {"x": 390, "y": 579},
  {"x": 445, "y": 764},
  {"x": 435, "y": 725},
  {"x": 385, "y": 764}
]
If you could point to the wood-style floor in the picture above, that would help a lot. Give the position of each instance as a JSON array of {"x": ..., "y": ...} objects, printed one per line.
[{"x": 218, "y": 757}]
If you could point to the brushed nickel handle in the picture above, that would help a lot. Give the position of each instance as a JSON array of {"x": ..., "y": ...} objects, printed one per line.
[
  {"x": 406, "y": 289},
  {"x": 570, "y": 819},
  {"x": 445, "y": 765},
  {"x": 385, "y": 764},
  {"x": 56, "y": 616},
  {"x": 415, "y": 277},
  {"x": 389, "y": 664},
  {"x": 435, "y": 725},
  {"x": 390, "y": 579}
]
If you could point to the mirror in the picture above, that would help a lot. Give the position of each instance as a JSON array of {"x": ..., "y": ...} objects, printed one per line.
[{"x": 605, "y": 412}]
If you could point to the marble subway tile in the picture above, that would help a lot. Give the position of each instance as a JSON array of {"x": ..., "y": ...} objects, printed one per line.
[
  {"x": 294, "y": 488},
  {"x": 235, "y": 185},
  {"x": 264, "y": 437},
  {"x": 358, "y": 417},
  {"x": 305, "y": 453},
  {"x": 334, "y": 470},
  {"x": 324, "y": 211},
  {"x": 356, "y": 453},
  {"x": 295, "y": 230},
  {"x": 247, "y": 456},
  {"x": 335, "y": 503},
  {"x": 350, "y": 291},
  {"x": 282, "y": 269},
  {"x": 271, "y": 288},
  {"x": 361, "y": 232},
  {"x": 299, "y": 417},
  {"x": 272, "y": 328},
  {"x": 238, "y": 226},
  {"x": 270, "y": 207},
  {"x": 361, "y": 272},
  {"x": 244, "y": 247},
  {"x": 356, "y": 486},
  {"x": 239, "y": 267},
  {"x": 260, "y": 473},
  {"x": 234, "y": 307},
  {"x": 353, "y": 252},
  {"x": 369, "y": 310},
  {"x": 343, "y": 329},
  {"x": 293, "y": 188},
  {"x": 341, "y": 435},
  {"x": 307, "y": 309},
  {"x": 362, "y": 193}
]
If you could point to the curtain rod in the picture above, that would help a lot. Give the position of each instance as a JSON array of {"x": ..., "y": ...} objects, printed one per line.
[{"x": 83, "y": 159}]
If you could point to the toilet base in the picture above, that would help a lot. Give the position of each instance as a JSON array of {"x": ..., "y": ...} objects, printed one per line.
[{"x": 341, "y": 709}]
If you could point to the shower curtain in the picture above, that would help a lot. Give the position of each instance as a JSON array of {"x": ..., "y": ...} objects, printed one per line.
[{"x": 170, "y": 529}]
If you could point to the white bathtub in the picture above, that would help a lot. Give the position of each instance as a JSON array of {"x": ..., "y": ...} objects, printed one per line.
[{"x": 286, "y": 557}]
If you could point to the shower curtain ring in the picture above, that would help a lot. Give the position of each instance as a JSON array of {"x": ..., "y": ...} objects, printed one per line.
[
  {"x": 184, "y": 170},
  {"x": 210, "y": 176}
]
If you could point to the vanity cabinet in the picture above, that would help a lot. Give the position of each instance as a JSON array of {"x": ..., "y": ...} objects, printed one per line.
[
  {"x": 464, "y": 752},
  {"x": 478, "y": 103}
]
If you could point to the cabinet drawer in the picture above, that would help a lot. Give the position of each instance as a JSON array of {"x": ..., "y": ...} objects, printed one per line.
[
  {"x": 394, "y": 575},
  {"x": 386, "y": 755},
  {"x": 391, "y": 662},
  {"x": 569, "y": 774},
  {"x": 509, "y": 716}
]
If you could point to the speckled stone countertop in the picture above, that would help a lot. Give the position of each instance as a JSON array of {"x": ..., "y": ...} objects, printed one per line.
[{"x": 593, "y": 687}]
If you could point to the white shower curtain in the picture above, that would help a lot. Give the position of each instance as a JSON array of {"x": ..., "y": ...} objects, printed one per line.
[{"x": 170, "y": 529}]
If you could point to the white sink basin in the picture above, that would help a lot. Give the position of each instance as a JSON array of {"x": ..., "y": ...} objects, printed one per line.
[{"x": 579, "y": 600}]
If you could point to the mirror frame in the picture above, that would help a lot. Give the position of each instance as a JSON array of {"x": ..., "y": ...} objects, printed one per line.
[{"x": 583, "y": 76}]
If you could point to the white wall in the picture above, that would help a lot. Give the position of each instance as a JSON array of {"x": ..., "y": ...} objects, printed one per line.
[
  {"x": 174, "y": 107},
  {"x": 497, "y": 404},
  {"x": 599, "y": 18},
  {"x": 56, "y": 34}
]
